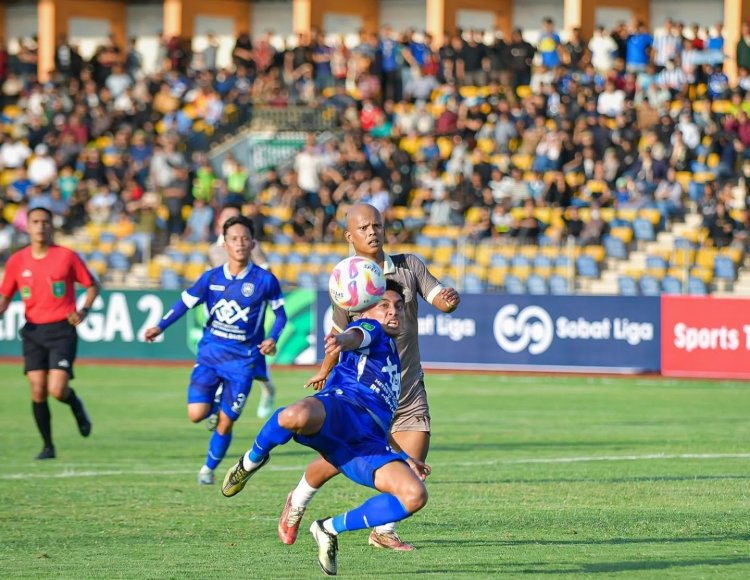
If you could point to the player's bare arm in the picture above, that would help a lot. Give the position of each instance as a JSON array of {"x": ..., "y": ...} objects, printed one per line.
[
  {"x": 75, "y": 318},
  {"x": 151, "y": 333},
  {"x": 420, "y": 468},
  {"x": 447, "y": 300},
  {"x": 349, "y": 340},
  {"x": 4, "y": 303}
]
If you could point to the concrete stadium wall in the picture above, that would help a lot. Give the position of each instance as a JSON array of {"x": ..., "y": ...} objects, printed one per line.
[{"x": 402, "y": 14}]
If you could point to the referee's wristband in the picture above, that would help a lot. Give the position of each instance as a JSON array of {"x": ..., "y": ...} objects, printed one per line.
[
  {"x": 403, "y": 455},
  {"x": 84, "y": 310}
]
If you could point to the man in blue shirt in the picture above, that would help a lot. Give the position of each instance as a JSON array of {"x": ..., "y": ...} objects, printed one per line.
[
  {"x": 549, "y": 45},
  {"x": 639, "y": 44},
  {"x": 348, "y": 423},
  {"x": 233, "y": 348}
]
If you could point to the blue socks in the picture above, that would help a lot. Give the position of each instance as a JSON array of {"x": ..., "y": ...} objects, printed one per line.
[
  {"x": 376, "y": 511},
  {"x": 271, "y": 435},
  {"x": 217, "y": 448}
]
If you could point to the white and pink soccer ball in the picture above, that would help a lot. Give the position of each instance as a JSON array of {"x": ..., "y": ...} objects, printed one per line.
[{"x": 356, "y": 283}]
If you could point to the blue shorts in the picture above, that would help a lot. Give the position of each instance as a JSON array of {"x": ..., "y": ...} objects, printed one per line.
[
  {"x": 351, "y": 440},
  {"x": 205, "y": 381}
]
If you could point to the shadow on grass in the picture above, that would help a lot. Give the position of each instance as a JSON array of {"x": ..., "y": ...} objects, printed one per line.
[
  {"x": 611, "y": 541},
  {"x": 483, "y": 569}
]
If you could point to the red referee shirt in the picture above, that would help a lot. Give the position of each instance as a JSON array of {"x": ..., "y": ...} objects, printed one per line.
[{"x": 47, "y": 285}]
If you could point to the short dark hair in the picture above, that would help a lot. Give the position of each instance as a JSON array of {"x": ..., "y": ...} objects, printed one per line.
[
  {"x": 395, "y": 287},
  {"x": 40, "y": 208},
  {"x": 241, "y": 220}
]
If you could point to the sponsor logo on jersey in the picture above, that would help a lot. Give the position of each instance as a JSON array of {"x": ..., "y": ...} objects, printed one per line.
[
  {"x": 26, "y": 273},
  {"x": 248, "y": 289},
  {"x": 25, "y": 292},
  {"x": 367, "y": 326},
  {"x": 229, "y": 312},
  {"x": 217, "y": 287},
  {"x": 64, "y": 364}
]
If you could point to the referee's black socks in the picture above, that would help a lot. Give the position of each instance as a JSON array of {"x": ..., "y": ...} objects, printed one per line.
[{"x": 43, "y": 422}]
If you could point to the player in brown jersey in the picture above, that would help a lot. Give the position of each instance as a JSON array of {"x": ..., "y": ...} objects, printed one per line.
[{"x": 411, "y": 424}]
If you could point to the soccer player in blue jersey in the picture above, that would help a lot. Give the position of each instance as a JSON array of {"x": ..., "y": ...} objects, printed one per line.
[
  {"x": 348, "y": 422},
  {"x": 233, "y": 348}
]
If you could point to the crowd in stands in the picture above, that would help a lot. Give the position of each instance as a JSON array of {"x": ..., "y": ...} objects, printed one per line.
[{"x": 482, "y": 133}]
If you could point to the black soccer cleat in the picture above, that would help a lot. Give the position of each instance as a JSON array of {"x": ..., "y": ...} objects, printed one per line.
[
  {"x": 82, "y": 418},
  {"x": 46, "y": 453}
]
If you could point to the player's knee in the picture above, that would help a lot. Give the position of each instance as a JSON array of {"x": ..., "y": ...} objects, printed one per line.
[
  {"x": 196, "y": 415},
  {"x": 294, "y": 417},
  {"x": 414, "y": 497}
]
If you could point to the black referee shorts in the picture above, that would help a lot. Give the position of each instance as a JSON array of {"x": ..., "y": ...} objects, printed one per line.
[{"x": 49, "y": 346}]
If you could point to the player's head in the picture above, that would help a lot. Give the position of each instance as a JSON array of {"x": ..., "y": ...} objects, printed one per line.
[
  {"x": 364, "y": 230},
  {"x": 239, "y": 238},
  {"x": 226, "y": 212},
  {"x": 389, "y": 312},
  {"x": 39, "y": 225}
]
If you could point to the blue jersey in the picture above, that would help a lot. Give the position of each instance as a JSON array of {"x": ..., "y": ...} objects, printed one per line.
[
  {"x": 370, "y": 377},
  {"x": 236, "y": 312}
]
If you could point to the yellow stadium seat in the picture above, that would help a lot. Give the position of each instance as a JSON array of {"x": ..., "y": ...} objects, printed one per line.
[
  {"x": 683, "y": 256},
  {"x": 627, "y": 214},
  {"x": 732, "y": 252},
  {"x": 705, "y": 274},
  {"x": 522, "y": 161},
  {"x": 622, "y": 232},
  {"x": 496, "y": 276},
  {"x": 442, "y": 255},
  {"x": 651, "y": 214},
  {"x": 523, "y": 91},
  {"x": 596, "y": 252},
  {"x": 705, "y": 258}
]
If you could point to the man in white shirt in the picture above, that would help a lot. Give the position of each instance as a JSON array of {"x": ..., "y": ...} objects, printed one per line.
[
  {"x": 42, "y": 169},
  {"x": 602, "y": 48}
]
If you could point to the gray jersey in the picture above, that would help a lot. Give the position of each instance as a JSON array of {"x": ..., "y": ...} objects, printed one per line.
[{"x": 409, "y": 271}]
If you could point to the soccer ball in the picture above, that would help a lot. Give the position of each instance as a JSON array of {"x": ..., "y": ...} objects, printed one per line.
[{"x": 356, "y": 283}]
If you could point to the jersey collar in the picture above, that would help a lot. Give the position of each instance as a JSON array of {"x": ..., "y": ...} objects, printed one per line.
[
  {"x": 388, "y": 266},
  {"x": 239, "y": 276}
]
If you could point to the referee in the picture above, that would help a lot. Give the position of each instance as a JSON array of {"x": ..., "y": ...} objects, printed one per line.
[{"x": 45, "y": 274}]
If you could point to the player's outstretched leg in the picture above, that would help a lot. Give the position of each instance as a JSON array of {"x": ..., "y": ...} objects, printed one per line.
[
  {"x": 271, "y": 435},
  {"x": 79, "y": 411}
]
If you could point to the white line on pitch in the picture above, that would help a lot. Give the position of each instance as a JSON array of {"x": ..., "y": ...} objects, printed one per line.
[{"x": 655, "y": 456}]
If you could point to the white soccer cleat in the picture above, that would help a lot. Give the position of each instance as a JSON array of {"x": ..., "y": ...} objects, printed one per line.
[
  {"x": 328, "y": 547},
  {"x": 206, "y": 476},
  {"x": 266, "y": 405}
]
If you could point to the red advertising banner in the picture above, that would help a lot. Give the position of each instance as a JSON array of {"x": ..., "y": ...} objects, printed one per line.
[{"x": 705, "y": 337}]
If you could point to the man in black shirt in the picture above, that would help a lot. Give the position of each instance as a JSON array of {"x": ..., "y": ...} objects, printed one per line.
[
  {"x": 521, "y": 56},
  {"x": 473, "y": 61}
]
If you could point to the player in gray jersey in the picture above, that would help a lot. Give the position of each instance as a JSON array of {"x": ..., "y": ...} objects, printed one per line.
[
  {"x": 217, "y": 255},
  {"x": 411, "y": 424}
]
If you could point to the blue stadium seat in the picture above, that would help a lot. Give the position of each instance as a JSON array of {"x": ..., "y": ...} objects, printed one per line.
[
  {"x": 684, "y": 243},
  {"x": 316, "y": 259},
  {"x": 282, "y": 239},
  {"x": 322, "y": 280},
  {"x": 724, "y": 268},
  {"x": 514, "y": 285},
  {"x": 295, "y": 258},
  {"x": 587, "y": 267},
  {"x": 649, "y": 286},
  {"x": 558, "y": 285},
  {"x": 118, "y": 261},
  {"x": 170, "y": 280},
  {"x": 473, "y": 284},
  {"x": 498, "y": 260},
  {"x": 198, "y": 258},
  {"x": 697, "y": 287},
  {"x": 615, "y": 248},
  {"x": 695, "y": 191},
  {"x": 656, "y": 263},
  {"x": 542, "y": 262},
  {"x": 671, "y": 285},
  {"x": 423, "y": 240},
  {"x": 537, "y": 285},
  {"x": 519, "y": 260},
  {"x": 306, "y": 280},
  {"x": 643, "y": 230},
  {"x": 627, "y": 286},
  {"x": 275, "y": 259}
]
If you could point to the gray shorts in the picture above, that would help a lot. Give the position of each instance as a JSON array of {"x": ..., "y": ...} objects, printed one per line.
[{"x": 413, "y": 413}]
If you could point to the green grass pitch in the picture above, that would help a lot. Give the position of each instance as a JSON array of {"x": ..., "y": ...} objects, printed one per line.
[{"x": 533, "y": 476}]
